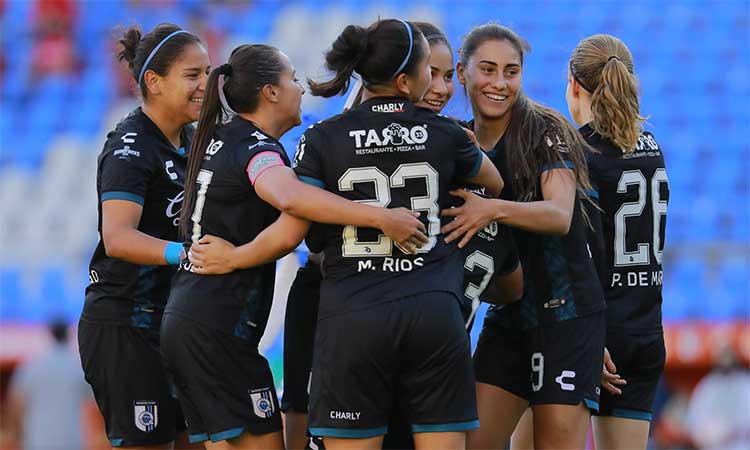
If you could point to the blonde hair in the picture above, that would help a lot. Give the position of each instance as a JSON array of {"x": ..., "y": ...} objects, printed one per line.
[{"x": 603, "y": 66}]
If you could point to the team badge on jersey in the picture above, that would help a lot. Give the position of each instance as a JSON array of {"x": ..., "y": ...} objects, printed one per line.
[
  {"x": 262, "y": 399},
  {"x": 146, "y": 415}
]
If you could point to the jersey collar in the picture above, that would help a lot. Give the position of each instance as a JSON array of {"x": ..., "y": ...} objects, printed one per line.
[{"x": 182, "y": 150}]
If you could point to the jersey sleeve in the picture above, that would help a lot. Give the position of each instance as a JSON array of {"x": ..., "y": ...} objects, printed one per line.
[
  {"x": 307, "y": 160},
  {"x": 468, "y": 155},
  {"x": 559, "y": 153},
  {"x": 506, "y": 258},
  {"x": 126, "y": 170},
  {"x": 260, "y": 156}
]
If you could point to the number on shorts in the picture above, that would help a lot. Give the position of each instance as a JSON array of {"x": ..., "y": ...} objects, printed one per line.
[{"x": 537, "y": 369}]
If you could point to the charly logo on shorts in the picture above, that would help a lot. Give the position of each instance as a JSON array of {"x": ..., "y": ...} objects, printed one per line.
[
  {"x": 262, "y": 399},
  {"x": 146, "y": 415},
  {"x": 566, "y": 375}
]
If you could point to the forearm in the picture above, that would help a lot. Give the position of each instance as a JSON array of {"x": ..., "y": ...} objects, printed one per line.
[
  {"x": 133, "y": 246},
  {"x": 545, "y": 217},
  {"x": 318, "y": 205},
  {"x": 271, "y": 244}
]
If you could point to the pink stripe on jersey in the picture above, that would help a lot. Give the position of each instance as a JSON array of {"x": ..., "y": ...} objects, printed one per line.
[{"x": 262, "y": 162}]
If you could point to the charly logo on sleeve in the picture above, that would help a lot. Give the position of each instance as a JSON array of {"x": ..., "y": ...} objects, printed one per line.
[
  {"x": 262, "y": 399},
  {"x": 126, "y": 152},
  {"x": 393, "y": 138},
  {"x": 146, "y": 415}
]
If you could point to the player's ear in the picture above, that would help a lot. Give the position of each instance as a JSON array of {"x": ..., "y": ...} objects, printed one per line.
[
  {"x": 270, "y": 93},
  {"x": 403, "y": 84},
  {"x": 152, "y": 80},
  {"x": 460, "y": 75},
  {"x": 575, "y": 88}
]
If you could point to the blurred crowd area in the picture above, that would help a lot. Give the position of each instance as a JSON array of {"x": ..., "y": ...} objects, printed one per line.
[{"x": 62, "y": 90}]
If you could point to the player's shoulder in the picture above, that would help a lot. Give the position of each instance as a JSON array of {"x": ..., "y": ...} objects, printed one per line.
[
  {"x": 130, "y": 138},
  {"x": 441, "y": 122}
]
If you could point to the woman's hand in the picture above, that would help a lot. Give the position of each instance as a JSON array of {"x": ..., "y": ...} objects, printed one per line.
[
  {"x": 212, "y": 256},
  {"x": 475, "y": 214},
  {"x": 404, "y": 228},
  {"x": 610, "y": 378}
]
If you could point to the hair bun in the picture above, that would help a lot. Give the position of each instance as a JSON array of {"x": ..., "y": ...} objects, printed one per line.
[{"x": 226, "y": 70}]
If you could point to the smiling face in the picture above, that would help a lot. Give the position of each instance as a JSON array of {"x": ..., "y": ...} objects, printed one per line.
[
  {"x": 492, "y": 77},
  {"x": 441, "y": 87},
  {"x": 180, "y": 91}
]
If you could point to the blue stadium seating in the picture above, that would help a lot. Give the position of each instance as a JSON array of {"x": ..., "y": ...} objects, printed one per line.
[{"x": 697, "y": 108}]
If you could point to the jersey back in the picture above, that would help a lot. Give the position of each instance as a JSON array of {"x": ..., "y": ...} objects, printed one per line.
[
  {"x": 633, "y": 194},
  {"x": 388, "y": 153},
  {"x": 227, "y": 206},
  {"x": 137, "y": 164}
]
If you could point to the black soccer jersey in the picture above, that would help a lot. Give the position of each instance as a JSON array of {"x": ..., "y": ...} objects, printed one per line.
[
  {"x": 633, "y": 194},
  {"x": 139, "y": 164},
  {"x": 560, "y": 279},
  {"x": 227, "y": 206},
  {"x": 490, "y": 253},
  {"x": 387, "y": 152}
]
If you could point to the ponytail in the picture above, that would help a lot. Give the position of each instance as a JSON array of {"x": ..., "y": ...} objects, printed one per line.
[
  {"x": 603, "y": 66},
  {"x": 347, "y": 51},
  {"x": 378, "y": 53},
  {"x": 212, "y": 112}
]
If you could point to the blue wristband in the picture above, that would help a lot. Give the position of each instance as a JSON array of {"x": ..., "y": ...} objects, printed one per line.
[{"x": 172, "y": 253}]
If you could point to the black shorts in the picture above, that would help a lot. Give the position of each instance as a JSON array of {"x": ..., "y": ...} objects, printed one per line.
[
  {"x": 640, "y": 361},
  {"x": 556, "y": 364},
  {"x": 124, "y": 367},
  {"x": 299, "y": 335},
  {"x": 413, "y": 352},
  {"x": 224, "y": 385}
]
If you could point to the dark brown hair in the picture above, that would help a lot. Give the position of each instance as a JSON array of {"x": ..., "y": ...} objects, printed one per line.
[
  {"x": 135, "y": 48},
  {"x": 537, "y": 136},
  {"x": 250, "y": 67},
  {"x": 375, "y": 53},
  {"x": 603, "y": 66},
  {"x": 433, "y": 34}
]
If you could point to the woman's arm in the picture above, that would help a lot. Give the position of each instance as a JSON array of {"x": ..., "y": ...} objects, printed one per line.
[
  {"x": 214, "y": 256},
  {"x": 123, "y": 240},
  {"x": 280, "y": 187},
  {"x": 552, "y": 215}
]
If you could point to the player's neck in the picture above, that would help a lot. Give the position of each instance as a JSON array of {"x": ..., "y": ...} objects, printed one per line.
[
  {"x": 584, "y": 115},
  {"x": 374, "y": 92},
  {"x": 165, "y": 122},
  {"x": 266, "y": 123},
  {"x": 489, "y": 131}
]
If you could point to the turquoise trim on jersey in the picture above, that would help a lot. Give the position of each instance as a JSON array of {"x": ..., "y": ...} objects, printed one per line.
[
  {"x": 116, "y": 442},
  {"x": 172, "y": 253},
  {"x": 228, "y": 434},
  {"x": 632, "y": 414},
  {"x": 558, "y": 165},
  {"x": 591, "y": 404},
  {"x": 120, "y": 195},
  {"x": 314, "y": 181},
  {"x": 193, "y": 438},
  {"x": 477, "y": 165},
  {"x": 445, "y": 427},
  {"x": 349, "y": 433},
  {"x": 181, "y": 151}
]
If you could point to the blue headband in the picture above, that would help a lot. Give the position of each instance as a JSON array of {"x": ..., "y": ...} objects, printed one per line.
[
  {"x": 153, "y": 53},
  {"x": 408, "y": 55}
]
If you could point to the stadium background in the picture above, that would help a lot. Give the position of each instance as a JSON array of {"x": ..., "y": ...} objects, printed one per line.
[{"x": 62, "y": 91}]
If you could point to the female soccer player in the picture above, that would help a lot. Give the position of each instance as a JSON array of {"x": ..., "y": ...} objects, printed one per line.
[
  {"x": 555, "y": 365},
  {"x": 237, "y": 177},
  {"x": 629, "y": 174},
  {"x": 381, "y": 308},
  {"x": 140, "y": 181}
]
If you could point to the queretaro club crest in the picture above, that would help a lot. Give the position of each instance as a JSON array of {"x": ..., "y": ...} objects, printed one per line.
[
  {"x": 146, "y": 415},
  {"x": 263, "y": 405}
]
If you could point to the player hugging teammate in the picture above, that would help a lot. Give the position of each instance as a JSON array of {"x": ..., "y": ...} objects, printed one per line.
[{"x": 417, "y": 218}]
